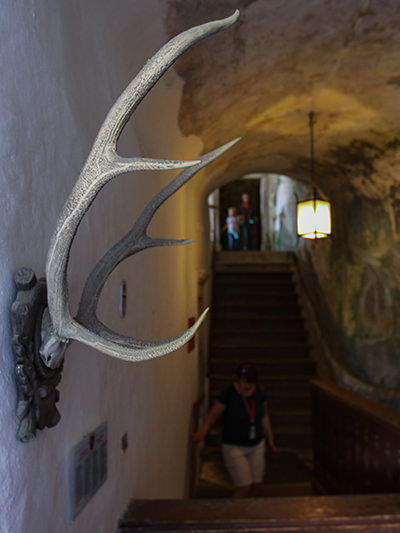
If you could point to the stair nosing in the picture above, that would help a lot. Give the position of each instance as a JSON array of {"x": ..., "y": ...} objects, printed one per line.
[{"x": 264, "y": 377}]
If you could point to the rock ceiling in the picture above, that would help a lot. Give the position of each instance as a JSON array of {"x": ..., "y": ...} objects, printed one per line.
[{"x": 260, "y": 78}]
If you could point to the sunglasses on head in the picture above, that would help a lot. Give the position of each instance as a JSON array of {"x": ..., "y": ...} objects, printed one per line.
[{"x": 249, "y": 373}]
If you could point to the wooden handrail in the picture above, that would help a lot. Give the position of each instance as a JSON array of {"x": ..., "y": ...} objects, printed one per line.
[{"x": 358, "y": 403}]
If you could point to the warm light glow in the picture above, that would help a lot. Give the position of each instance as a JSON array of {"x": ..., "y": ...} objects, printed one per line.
[{"x": 314, "y": 219}]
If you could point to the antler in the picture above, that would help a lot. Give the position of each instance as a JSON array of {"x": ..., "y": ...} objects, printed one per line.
[{"x": 103, "y": 164}]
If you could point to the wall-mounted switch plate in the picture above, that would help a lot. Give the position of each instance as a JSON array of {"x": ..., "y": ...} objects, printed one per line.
[{"x": 87, "y": 469}]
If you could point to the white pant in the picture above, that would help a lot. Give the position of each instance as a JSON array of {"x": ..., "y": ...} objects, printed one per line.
[{"x": 245, "y": 464}]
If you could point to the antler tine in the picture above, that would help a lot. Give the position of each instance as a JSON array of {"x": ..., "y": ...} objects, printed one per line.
[
  {"x": 125, "y": 351},
  {"x": 133, "y": 242},
  {"x": 181, "y": 179},
  {"x": 104, "y": 163},
  {"x": 154, "y": 69}
]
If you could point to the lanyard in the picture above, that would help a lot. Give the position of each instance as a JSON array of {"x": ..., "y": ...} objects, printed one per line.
[{"x": 251, "y": 410}]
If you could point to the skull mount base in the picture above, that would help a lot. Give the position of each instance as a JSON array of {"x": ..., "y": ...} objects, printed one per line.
[{"x": 36, "y": 384}]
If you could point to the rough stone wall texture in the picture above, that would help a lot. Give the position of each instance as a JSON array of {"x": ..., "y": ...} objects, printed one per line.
[
  {"x": 355, "y": 274},
  {"x": 339, "y": 59},
  {"x": 279, "y": 61}
]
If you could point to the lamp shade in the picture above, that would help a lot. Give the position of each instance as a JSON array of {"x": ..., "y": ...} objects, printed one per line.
[{"x": 314, "y": 219}]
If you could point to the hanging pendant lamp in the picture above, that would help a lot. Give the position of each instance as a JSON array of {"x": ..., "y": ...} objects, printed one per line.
[{"x": 313, "y": 209}]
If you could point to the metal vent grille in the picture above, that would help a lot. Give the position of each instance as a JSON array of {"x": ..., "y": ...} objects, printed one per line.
[{"x": 87, "y": 469}]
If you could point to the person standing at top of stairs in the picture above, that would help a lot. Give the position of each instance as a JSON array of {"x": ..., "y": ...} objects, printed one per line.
[
  {"x": 245, "y": 424},
  {"x": 232, "y": 228},
  {"x": 248, "y": 222}
]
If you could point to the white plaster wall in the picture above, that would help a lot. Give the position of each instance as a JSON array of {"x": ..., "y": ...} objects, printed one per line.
[{"x": 63, "y": 63}]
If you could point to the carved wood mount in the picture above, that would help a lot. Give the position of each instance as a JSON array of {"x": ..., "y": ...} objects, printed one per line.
[{"x": 36, "y": 383}]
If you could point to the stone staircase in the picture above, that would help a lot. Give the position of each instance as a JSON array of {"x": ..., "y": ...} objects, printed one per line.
[
  {"x": 285, "y": 503},
  {"x": 256, "y": 317}
]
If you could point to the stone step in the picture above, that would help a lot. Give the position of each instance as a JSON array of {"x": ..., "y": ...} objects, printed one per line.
[
  {"x": 261, "y": 309},
  {"x": 257, "y": 324},
  {"x": 266, "y": 490},
  {"x": 284, "y": 470},
  {"x": 286, "y": 438},
  {"x": 270, "y": 292},
  {"x": 271, "y": 384},
  {"x": 266, "y": 366},
  {"x": 257, "y": 336},
  {"x": 285, "y": 490},
  {"x": 243, "y": 291},
  {"x": 237, "y": 260},
  {"x": 253, "y": 257},
  {"x": 256, "y": 300},
  {"x": 293, "y": 438},
  {"x": 281, "y": 279},
  {"x": 257, "y": 268},
  {"x": 294, "y": 413},
  {"x": 251, "y": 287},
  {"x": 258, "y": 304},
  {"x": 280, "y": 400},
  {"x": 261, "y": 351},
  {"x": 294, "y": 418},
  {"x": 268, "y": 313},
  {"x": 251, "y": 346}
]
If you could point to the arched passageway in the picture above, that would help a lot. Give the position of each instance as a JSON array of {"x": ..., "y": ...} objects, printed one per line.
[{"x": 274, "y": 199}]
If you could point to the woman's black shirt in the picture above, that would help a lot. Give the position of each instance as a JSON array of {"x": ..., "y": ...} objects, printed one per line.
[{"x": 235, "y": 418}]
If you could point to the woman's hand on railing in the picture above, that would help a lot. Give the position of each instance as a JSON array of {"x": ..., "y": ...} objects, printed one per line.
[{"x": 271, "y": 443}]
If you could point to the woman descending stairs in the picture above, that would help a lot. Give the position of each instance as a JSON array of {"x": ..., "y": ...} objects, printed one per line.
[{"x": 256, "y": 317}]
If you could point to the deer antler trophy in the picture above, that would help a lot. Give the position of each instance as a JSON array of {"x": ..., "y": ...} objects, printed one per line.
[{"x": 42, "y": 325}]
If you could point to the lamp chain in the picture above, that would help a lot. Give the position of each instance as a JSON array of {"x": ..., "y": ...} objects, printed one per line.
[{"x": 311, "y": 116}]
